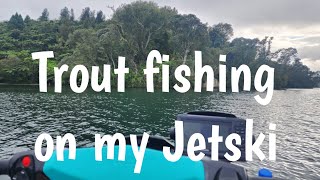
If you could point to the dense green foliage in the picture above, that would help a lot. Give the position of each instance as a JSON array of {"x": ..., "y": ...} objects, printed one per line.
[{"x": 133, "y": 31}]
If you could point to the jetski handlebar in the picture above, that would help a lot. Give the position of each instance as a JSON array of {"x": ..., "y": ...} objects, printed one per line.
[{"x": 4, "y": 167}]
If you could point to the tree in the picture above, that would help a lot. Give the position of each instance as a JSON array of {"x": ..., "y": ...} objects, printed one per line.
[
  {"x": 287, "y": 56},
  {"x": 27, "y": 19},
  {"x": 64, "y": 15},
  {"x": 44, "y": 15},
  {"x": 16, "y": 22},
  {"x": 139, "y": 23},
  {"x": 65, "y": 27},
  {"x": 298, "y": 74},
  {"x": 189, "y": 34},
  {"x": 72, "y": 15},
  {"x": 84, "y": 43},
  {"x": 111, "y": 45},
  {"x": 264, "y": 49},
  {"x": 133, "y": 31},
  {"x": 220, "y": 34},
  {"x": 85, "y": 49},
  {"x": 87, "y": 17},
  {"x": 316, "y": 78},
  {"x": 100, "y": 17},
  {"x": 242, "y": 51}
]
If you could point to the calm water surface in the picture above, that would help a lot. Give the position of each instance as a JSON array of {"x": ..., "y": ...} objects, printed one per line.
[{"x": 25, "y": 113}]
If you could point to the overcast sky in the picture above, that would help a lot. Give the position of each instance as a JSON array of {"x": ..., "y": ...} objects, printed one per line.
[{"x": 293, "y": 23}]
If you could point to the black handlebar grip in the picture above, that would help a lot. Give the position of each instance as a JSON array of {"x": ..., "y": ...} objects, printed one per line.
[{"x": 4, "y": 167}]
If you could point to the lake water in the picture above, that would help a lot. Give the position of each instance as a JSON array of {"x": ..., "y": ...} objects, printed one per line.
[{"x": 25, "y": 113}]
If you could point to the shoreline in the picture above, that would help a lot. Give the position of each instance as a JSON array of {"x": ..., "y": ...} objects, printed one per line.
[{"x": 8, "y": 84}]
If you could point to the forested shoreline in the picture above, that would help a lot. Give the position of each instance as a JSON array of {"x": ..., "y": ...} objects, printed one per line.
[{"x": 133, "y": 31}]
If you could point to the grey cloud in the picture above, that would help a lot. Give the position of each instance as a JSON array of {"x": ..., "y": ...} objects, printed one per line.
[
  {"x": 310, "y": 52},
  {"x": 237, "y": 12},
  {"x": 310, "y": 40},
  {"x": 314, "y": 65},
  {"x": 250, "y": 12}
]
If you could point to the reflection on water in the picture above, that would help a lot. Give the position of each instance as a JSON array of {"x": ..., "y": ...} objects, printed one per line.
[{"x": 25, "y": 113}]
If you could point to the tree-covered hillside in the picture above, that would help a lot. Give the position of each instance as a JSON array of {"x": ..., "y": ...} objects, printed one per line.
[{"x": 133, "y": 31}]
